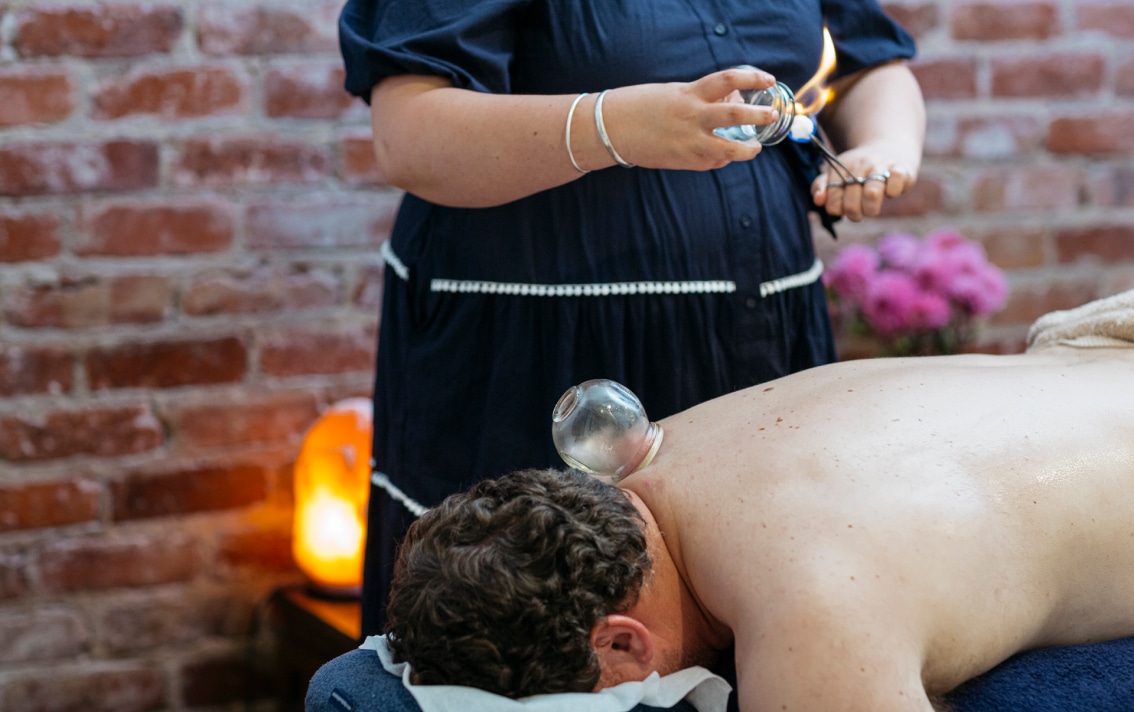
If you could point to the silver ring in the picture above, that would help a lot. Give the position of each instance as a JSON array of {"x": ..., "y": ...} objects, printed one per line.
[
  {"x": 835, "y": 184},
  {"x": 883, "y": 177}
]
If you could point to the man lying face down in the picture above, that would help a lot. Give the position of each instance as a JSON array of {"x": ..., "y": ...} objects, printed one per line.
[{"x": 867, "y": 534}]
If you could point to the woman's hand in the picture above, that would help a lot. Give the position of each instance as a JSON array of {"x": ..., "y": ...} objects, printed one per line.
[
  {"x": 671, "y": 125},
  {"x": 877, "y": 122},
  {"x": 880, "y": 174}
]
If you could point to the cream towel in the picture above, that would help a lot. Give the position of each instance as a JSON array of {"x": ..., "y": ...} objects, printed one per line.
[
  {"x": 1107, "y": 322},
  {"x": 704, "y": 690}
]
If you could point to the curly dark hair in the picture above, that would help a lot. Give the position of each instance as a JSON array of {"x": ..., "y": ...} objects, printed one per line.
[{"x": 499, "y": 587}]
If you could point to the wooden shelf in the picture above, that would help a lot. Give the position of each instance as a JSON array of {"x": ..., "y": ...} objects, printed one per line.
[{"x": 310, "y": 631}]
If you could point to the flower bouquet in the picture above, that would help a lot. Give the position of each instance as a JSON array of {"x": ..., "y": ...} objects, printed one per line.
[{"x": 916, "y": 297}]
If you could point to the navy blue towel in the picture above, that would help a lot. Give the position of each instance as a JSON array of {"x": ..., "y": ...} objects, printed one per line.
[{"x": 1098, "y": 677}]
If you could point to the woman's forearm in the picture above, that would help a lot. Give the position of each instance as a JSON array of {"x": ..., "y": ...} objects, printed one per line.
[
  {"x": 883, "y": 104},
  {"x": 469, "y": 149}
]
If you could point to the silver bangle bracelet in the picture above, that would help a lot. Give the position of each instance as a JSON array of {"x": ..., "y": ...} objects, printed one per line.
[
  {"x": 602, "y": 132},
  {"x": 567, "y": 137}
]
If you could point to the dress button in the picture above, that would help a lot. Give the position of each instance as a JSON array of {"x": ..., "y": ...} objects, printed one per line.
[
  {"x": 720, "y": 29},
  {"x": 750, "y": 302},
  {"x": 745, "y": 221}
]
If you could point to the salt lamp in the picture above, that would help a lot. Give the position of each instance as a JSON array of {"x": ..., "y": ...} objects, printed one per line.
[{"x": 332, "y": 485}]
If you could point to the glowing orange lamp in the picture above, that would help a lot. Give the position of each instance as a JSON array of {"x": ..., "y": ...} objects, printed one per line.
[{"x": 332, "y": 485}]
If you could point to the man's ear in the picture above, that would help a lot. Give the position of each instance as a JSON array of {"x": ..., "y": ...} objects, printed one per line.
[{"x": 625, "y": 649}]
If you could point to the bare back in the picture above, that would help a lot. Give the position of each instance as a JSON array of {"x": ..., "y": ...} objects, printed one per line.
[{"x": 873, "y": 528}]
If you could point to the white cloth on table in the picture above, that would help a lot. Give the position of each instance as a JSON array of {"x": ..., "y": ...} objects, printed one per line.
[{"x": 701, "y": 688}]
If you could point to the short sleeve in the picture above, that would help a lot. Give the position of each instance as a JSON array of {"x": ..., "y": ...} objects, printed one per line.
[
  {"x": 469, "y": 42},
  {"x": 864, "y": 35}
]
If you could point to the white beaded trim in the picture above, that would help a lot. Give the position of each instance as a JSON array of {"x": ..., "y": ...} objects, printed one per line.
[
  {"x": 380, "y": 479},
  {"x": 459, "y": 286},
  {"x": 391, "y": 259},
  {"x": 793, "y": 281},
  {"x": 603, "y": 289}
]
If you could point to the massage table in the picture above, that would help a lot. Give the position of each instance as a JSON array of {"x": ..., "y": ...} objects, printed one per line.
[{"x": 1097, "y": 677}]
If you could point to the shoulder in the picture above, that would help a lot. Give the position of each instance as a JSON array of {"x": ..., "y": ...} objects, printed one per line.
[{"x": 817, "y": 656}]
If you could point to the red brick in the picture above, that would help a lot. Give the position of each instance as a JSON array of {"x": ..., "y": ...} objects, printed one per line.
[
  {"x": 1114, "y": 187},
  {"x": 172, "y": 619},
  {"x": 143, "y": 229},
  {"x": 919, "y": 19},
  {"x": 281, "y": 418},
  {"x": 1124, "y": 81},
  {"x": 256, "y": 551},
  {"x": 297, "y": 353},
  {"x": 90, "y": 301},
  {"x": 1048, "y": 75},
  {"x": 125, "y": 561},
  {"x": 327, "y": 224},
  {"x": 251, "y": 29},
  {"x": 995, "y": 21},
  {"x": 223, "y": 679},
  {"x": 13, "y": 583},
  {"x": 46, "y": 168},
  {"x": 103, "y": 431},
  {"x": 179, "y": 492},
  {"x": 1027, "y": 188},
  {"x": 946, "y": 78},
  {"x": 25, "y": 237},
  {"x": 1026, "y": 303},
  {"x": 171, "y": 93},
  {"x": 90, "y": 687},
  {"x": 43, "y": 634},
  {"x": 359, "y": 166},
  {"x": 1114, "y": 18},
  {"x": 34, "y": 369},
  {"x": 368, "y": 293},
  {"x": 1096, "y": 133},
  {"x": 1105, "y": 243},
  {"x": 249, "y": 161},
  {"x": 115, "y": 30},
  {"x": 262, "y": 291},
  {"x": 941, "y": 136},
  {"x": 1014, "y": 247},
  {"x": 47, "y": 504},
  {"x": 306, "y": 91},
  {"x": 35, "y": 96},
  {"x": 167, "y": 364},
  {"x": 999, "y": 136},
  {"x": 925, "y": 198}
]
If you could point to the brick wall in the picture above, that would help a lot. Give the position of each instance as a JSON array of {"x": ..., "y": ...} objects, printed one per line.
[{"x": 189, "y": 273}]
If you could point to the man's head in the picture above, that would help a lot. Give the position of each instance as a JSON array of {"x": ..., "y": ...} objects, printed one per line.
[{"x": 500, "y": 587}]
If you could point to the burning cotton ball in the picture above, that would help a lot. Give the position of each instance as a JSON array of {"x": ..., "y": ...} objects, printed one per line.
[{"x": 802, "y": 127}]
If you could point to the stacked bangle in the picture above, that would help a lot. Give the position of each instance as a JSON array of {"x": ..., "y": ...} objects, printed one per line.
[
  {"x": 602, "y": 132},
  {"x": 570, "y": 116}
]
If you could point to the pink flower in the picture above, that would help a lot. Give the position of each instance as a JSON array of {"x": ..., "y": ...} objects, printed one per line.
[
  {"x": 981, "y": 292},
  {"x": 930, "y": 311},
  {"x": 899, "y": 250},
  {"x": 889, "y": 302},
  {"x": 945, "y": 239},
  {"x": 934, "y": 270},
  {"x": 851, "y": 273}
]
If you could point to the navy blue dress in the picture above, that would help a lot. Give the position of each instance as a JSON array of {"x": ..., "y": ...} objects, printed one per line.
[{"x": 682, "y": 285}]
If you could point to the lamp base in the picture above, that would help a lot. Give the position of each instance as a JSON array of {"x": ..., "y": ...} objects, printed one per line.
[{"x": 333, "y": 593}]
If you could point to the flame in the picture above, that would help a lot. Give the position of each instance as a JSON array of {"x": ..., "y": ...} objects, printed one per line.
[{"x": 813, "y": 95}]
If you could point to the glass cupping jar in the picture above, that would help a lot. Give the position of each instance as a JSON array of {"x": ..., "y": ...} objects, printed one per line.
[
  {"x": 778, "y": 97},
  {"x": 600, "y": 427}
]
